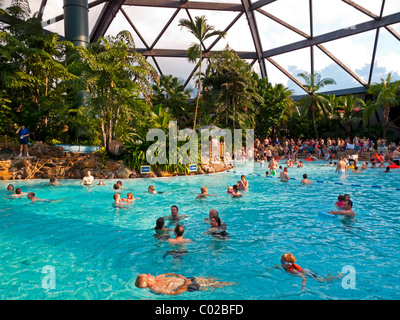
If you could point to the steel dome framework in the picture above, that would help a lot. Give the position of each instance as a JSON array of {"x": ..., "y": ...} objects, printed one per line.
[{"x": 260, "y": 56}]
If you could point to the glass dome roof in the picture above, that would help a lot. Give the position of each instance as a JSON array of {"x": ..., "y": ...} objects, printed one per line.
[{"x": 355, "y": 42}]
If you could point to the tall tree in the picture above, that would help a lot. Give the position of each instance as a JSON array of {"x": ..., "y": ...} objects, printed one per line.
[
  {"x": 171, "y": 93},
  {"x": 202, "y": 31},
  {"x": 229, "y": 89},
  {"x": 276, "y": 101},
  {"x": 350, "y": 108},
  {"x": 116, "y": 77},
  {"x": 314, "y": 102},
  {"x": 386, "y": 97}
]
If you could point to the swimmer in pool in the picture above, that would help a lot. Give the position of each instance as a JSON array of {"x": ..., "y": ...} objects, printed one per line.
[
  {"x": 288, "y": 264},
  {"x": 53, "y": 182},
  {"x": 88, "y": 179},
  {"x": 101, "y": 183},
  {"x": 230, "y": 189},
  {"x": 129, "y": 198},
  {"x": 340, "y": 201},
  {"x": 178, "y": 231},
  {"x": 284, "y": 175},
  {"x": 18, "y": 193},
  {"x": 341, "y": 166},
  {"x": 216, "y": 229},
  {"x": 236, "y": 193},
  {"x": 162, "y": 233},
  {"x": 118, "y": 201},
  {"x": 211, "y": 214},
  {"x": 204, "y": 194},
  {"x": 356, "y": 170},
  {"x": 243, "y": 184},
  {"x": 174, "y": 284},
  {"x": 346, "y": 211},
  {"x": 175, "y": 217},
  {"x": 32, "y": 196},
  {"x": 305, "y": 180},
  {"x": 10, "y": 188}
]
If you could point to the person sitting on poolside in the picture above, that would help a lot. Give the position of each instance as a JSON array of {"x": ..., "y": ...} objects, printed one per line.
[
  {"x": 174, "y": 215},
  {"x": 347, "y": 209},
  {"x": 174, "y": 284},
  {"x": 284, "y": 175},
  {"x": 18, "y": 193},
  {"x": 243, "y": 184},
  {"x": 129, "y": 198},
  {"x": 88, "y": 179},
  {"x": 288, "y": 264},
  {"x": 236, "y": 193},
  {"x": 305, "y": 180},
  {"x": 178, "y": 231},
  {"x": 204, "y": 194}
]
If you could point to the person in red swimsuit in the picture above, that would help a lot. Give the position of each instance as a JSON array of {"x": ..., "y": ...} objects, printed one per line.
[{"x": 288, "y": 264}]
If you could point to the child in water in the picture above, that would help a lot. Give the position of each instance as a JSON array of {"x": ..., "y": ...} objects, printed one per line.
[
  {"x": 288, "y": 264},
  {"x": 340, "y": 201}
]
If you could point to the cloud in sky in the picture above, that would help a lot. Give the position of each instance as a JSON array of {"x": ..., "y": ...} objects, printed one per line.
[{"x": 328, "y": 15}]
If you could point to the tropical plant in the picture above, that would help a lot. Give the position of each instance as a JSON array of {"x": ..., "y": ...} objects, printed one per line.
[
  {"x": 117, "y": 78},
  {"x": 230, "y": 91},
  {"x": 277, "y": 102},
  {"x": 202, "y": 31},
  {"x": 350, "y": 109},
  {"x": 386, "y": 97},
  {"x": 171, "y": 93},
  {"x": 314, "y": 103}
]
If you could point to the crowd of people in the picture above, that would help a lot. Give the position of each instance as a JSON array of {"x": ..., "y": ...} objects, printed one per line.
[{"x": 319, "y": 148}]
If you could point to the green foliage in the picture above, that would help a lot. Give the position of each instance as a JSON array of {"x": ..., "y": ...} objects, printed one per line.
[{"x": 230, "y": 91}]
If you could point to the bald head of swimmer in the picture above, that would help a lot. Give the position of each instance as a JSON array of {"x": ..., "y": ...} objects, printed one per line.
[{"x": 213, "y": 213}]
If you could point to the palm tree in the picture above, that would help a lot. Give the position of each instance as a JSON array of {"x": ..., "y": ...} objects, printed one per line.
[
  {"x": 314, "y": 102},
  {"x": 172, "y": 94},
  {"x": 202, "y": 31},
  {"x": 386, "y": 97},
  {"x": 350, "y": 108}
]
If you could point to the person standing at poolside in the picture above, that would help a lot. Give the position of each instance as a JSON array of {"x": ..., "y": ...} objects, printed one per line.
[
  {"x": 341, "y": 166},
  {"x": 88, "y": 179},
  {"x": 284, "y": 175},
  {"x": 347, "y": 210},
  {"x": 23, "y": 134}
]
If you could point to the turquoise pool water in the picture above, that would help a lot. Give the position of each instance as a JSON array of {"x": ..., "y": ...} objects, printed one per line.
[{"x": 95, "y": 251}]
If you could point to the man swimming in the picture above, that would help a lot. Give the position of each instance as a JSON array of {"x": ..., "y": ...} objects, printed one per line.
[
  {"x": 288, "y": 264},
  {"x": 305, "y": 180},
  {"x": 174, "y": 284},
  {"x": 174, "y": 214},
  {"x": 18, "y": 193},
  {"x": 178, "y": 231},
  {"x": 346, "y": 211}
]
